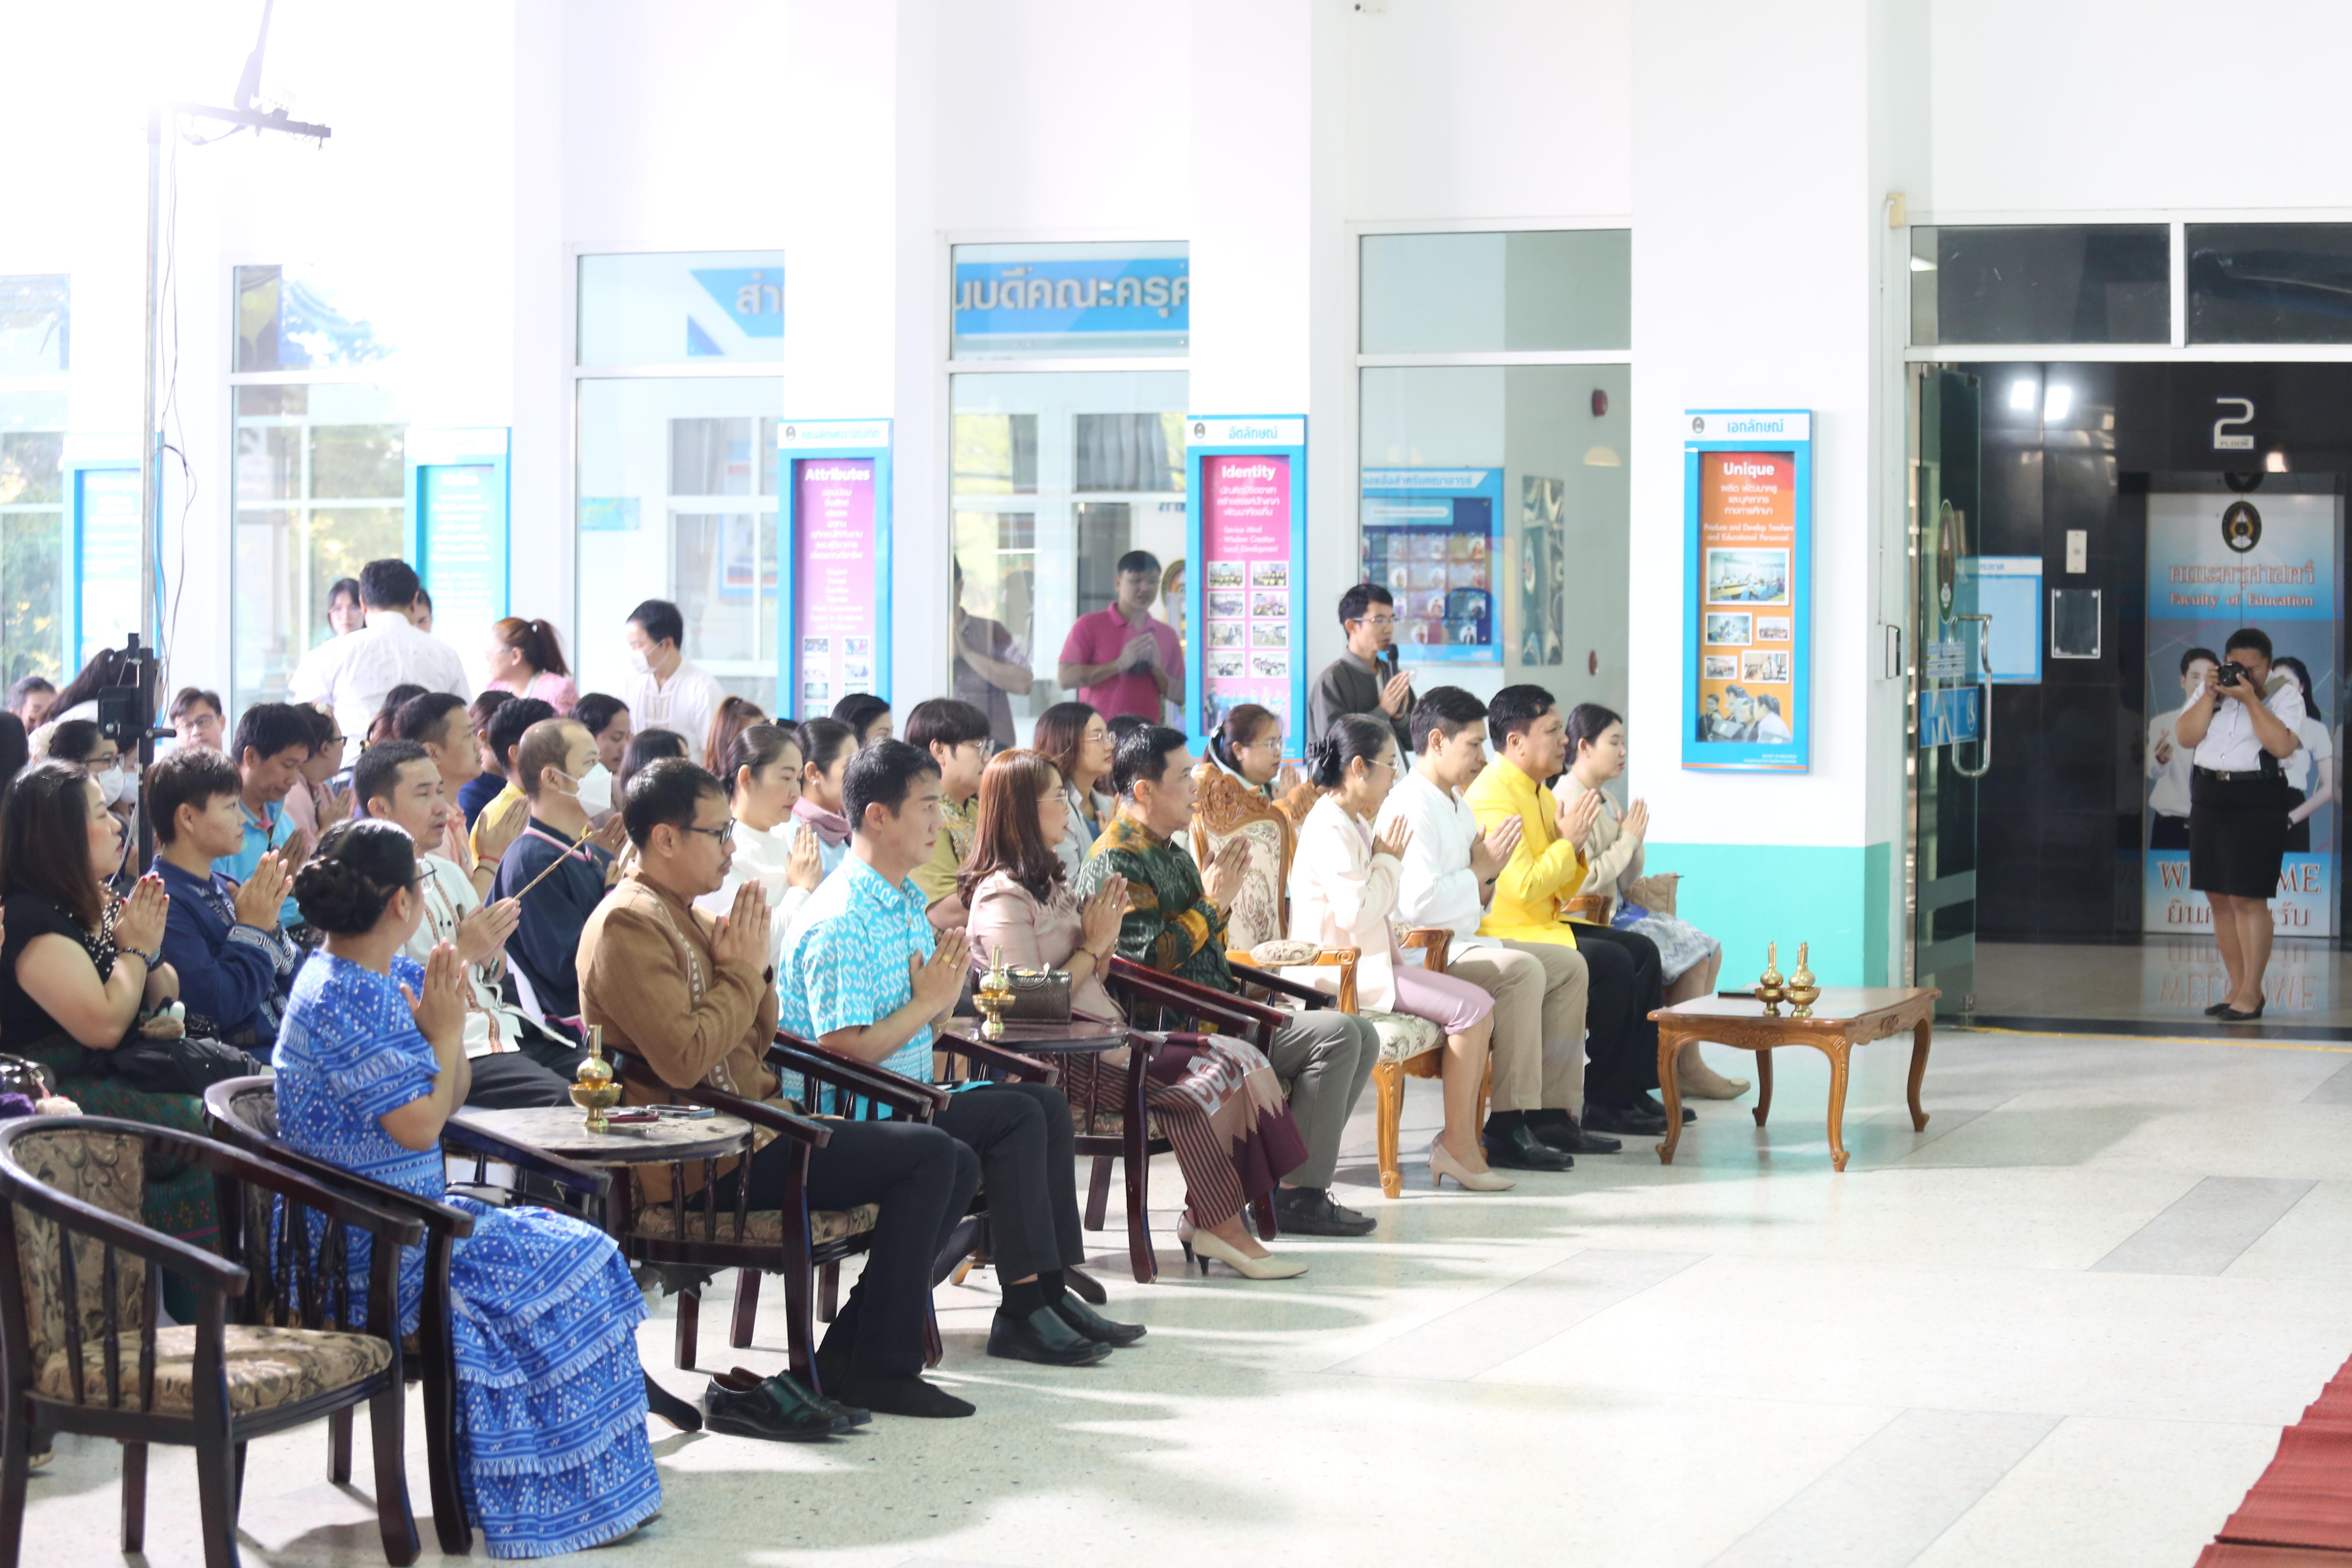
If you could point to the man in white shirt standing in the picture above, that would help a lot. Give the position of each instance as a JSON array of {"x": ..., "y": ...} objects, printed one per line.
[
  {"x": 1540, "y": 988},
  {"x": 2168, "y": 762},
  {"x": 515, "y": 1062},
  {"x": 665, "y": 689},
  {"x": 352, "y": 674}
]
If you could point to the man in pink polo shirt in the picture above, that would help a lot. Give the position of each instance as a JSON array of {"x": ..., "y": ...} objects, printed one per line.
[{"x": 1120, "y": 659}]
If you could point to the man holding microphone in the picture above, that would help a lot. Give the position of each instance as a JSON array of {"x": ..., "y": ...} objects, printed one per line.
[
  {"x": 2240, "y": 725},
  {"x": 1365, "y": 679}
]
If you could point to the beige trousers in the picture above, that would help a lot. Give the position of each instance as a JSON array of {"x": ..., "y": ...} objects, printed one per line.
[{"x": 1539, "y": 990}]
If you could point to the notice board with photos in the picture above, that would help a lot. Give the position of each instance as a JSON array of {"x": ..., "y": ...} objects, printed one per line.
[
  {"x": 1747, "y": 600},
  {"x": 833, "y": 597},
  {"x": 1247, "y": 527},
  {"x": 1433, "y": 539}
]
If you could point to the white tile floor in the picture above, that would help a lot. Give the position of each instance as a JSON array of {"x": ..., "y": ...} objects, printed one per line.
[
  {"x": 2162, "y": 978},
  {"x": 2064, "y": 1324}
]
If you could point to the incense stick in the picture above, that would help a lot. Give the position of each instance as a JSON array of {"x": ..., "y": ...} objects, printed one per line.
[{"x": 552, "y": 864}]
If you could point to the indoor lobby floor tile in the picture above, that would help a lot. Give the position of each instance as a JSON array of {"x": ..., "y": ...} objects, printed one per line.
[
  {"x": 2161, "y": 978},
  {"x": 2063, "y": 1323}
]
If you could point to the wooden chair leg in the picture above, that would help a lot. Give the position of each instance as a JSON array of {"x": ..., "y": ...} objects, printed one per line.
[
  {"x": 1262, "y": 1211},
  {"x": 690, "y": 1306},
  {"x": 15, "y": 1472},
  {"x": 1142, "y": 1261},
  {"x": 1099, "y": 1193},
  {"x": 828, "y": 1293},
  {"x": 215, "y": 1496},
  {"x": 394, "y": 1520},
  {"x": 747, "y": 1306},
  {"x": 450, "y": 1526},
  {"x": 134, "y": 1496},
  {"x": 1486, "y": 1091},
  {"x": 799, "y": 1330},
  {"x": 338, "y": 1446},
  {"x": 1388, "y": 1079},
  {"x": 239, "y": 1498}
]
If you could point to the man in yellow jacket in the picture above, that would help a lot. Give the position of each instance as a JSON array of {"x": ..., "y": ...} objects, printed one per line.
[{"x": 1530, "y": 903}]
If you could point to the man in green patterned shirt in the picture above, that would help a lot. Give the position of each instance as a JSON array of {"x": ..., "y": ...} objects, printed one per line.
[{"x": 1176, "y": 924}]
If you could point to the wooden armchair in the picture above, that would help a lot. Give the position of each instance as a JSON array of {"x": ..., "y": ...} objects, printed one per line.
[
  {"x": 242, "y": 1112},
  {"x": 274, "y": 1346},
  {"x": 1256, "y": 942}
]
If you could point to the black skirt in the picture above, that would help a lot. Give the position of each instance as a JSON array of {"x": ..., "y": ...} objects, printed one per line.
[{"x": 2237, "y": 834}]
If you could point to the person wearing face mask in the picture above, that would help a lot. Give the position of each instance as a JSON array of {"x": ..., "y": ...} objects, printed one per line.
[
  {"x": 762, "y": 770},
  {"x": 272, "y": 744},
  {"x": 515, "y": 1062},
  {"x": 665, "y": 689},
  {"x": 77, "y": 740},
  {"x": 565, "y": 784}
]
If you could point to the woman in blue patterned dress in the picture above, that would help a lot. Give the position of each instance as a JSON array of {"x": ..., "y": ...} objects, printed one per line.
[{"x": 371, "y": 1063}]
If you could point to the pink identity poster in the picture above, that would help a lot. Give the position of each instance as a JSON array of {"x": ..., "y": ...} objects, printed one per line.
[
  {"x": 835, "y": 571},
  {"x": 1246, "y": 586}
]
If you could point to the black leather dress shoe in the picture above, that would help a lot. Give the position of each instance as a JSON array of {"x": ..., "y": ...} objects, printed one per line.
[
  {"x": 850, "y": 1415},
  {"x": 778, "y": 1412},
  {"x": 1658, "y": 1109},
  {"x": 1093, "y": 1324},
  {"x": 1309, "y": 1211},
  {"x": 1560, "y": 1129},
  {"x": 903, "y": 1394},
  {"x": 1514, "y": 1145},
  {"x": 1043, "y": 1337},
  {"x": 1636, "y": 1120}
]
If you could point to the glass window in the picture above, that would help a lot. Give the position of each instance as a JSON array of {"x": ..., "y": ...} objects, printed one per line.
[
  {"x": 32, "y": 534},
  {"x": 2041, "y": 283},
  {"x": 291, "y": 318},
  {"x": 1072, "y": 301},
  {"x": 682, "y": 306},
  {"x": 1480, "y": 293},
  {"x": 34, "y": 318},
  {"x": 1055, "y": 475},
  {"x": 676, "y": 487},
  {"x": 320, "y": 477},
  {"x": 2270, "y": 282},
  {"x": 1434, "y": 442}
]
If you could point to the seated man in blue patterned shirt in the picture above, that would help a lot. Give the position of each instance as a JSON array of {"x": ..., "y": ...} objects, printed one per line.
[{"x": 865, "y": 976}]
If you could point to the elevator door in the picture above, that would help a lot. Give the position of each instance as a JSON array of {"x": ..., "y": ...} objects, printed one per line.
[{"x": 1951, "y": 709}]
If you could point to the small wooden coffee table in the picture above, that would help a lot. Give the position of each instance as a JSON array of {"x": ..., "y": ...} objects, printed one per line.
[{"x": 1843, "y": 1016}]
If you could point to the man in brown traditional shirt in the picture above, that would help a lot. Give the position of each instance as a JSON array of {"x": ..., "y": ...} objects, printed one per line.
[{"x": 693, "y": 995}]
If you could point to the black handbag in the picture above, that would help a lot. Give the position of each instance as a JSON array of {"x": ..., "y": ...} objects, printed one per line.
[
  {"x": 189, "y": 1064},
  {"x": 1039, "y": 996}
]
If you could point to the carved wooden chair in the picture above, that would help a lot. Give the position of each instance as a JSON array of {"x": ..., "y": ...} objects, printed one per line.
[
  {"x": 242, "y": 1112},
  {"x": 275, "y": 1344},
  {"x": 1254, "y": 931}
]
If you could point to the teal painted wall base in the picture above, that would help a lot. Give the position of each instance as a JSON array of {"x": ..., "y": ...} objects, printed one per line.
[{"x": 1746, "y": 895}]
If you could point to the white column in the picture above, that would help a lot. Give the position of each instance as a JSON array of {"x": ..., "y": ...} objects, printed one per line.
[
  {"x": 1270, "y": 328},
  {"x": 866, "y": 278}
]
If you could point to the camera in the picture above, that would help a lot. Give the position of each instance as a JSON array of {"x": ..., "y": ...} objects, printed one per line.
[{"x": 2229, "y": 674}]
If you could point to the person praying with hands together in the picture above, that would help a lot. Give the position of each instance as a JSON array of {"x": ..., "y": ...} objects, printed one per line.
[
  {"x": 868, "y": 975},
  {"x": 223, "y": 938}
]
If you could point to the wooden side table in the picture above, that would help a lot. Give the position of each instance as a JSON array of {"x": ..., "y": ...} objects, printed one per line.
[{"x": 1843, "y": 1016}]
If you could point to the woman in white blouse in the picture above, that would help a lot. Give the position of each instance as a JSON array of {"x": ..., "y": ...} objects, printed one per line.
[
  {"x": 772, "y": 846},
  {"x": 2310, "y": 772},
  {"x": 1687, "y": 957},
  {"x": 1076, "y": 741},
  {"x": 2244, "y": 725},
  {"x": 1343, "y": 891}
]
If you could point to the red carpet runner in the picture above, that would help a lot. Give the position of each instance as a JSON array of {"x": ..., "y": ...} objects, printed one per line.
[{"x": 2299, "y": 1514}]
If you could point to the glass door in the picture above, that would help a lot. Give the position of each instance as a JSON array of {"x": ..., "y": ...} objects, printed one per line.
[{"x": 1951, "y": 709}]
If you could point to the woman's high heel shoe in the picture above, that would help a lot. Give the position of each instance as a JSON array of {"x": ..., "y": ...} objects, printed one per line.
[
  {"x": 1441, "y": 1165},
  {"x": 1200, "y": 1246}
]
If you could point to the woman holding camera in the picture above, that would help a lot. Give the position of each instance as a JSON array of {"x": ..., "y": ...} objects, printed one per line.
[{"x": 2242, "y": 725}]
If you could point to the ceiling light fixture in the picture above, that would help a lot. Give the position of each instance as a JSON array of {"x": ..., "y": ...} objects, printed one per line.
[
  {"x": 2020, "y": 395},
  {"x": 2057, "y": 402}
]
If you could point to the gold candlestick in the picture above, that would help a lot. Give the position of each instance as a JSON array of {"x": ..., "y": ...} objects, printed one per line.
[
  {"x": 994, "y": 997},
  {"x": 1769, "y": 986},
  {"x": 1802, "y": 989},
  {"x": 596, "y": 1092}
]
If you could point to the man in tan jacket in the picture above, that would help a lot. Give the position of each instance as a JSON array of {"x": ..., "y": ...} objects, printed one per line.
[{"x": 692, "y": 996}]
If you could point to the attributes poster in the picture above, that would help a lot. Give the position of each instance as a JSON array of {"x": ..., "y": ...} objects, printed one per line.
[
  {"x": 836, "y": 569},
  {"x": 1247, "y": 585},
  {"x": 1747, "y": 548},
  {"x": 2216, "y": 563}
]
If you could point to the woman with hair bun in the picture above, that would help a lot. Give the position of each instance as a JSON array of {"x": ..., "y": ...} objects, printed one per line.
[
  {"x": 526, "y": 657},
  {"x": 1343, "y": 893},
  {"x": 370, "y": 1064}
]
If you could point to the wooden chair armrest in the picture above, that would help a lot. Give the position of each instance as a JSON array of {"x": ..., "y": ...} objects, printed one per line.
[
  {"x": 207, "y": 1270},
  {"x": 774, "y": 1118},
  {"x": 465, "y": 1138},
  {"x": 1438, "y": 941},
  {"x": 1250, "y": 1020},
  {"x": 439, "y": 1218},
  {"x": 235, "y": 1165},
  {"x": 1587, "y": 907},
  {"x": 1343, "y": 959},
  {"x": 1250, "y": 975},
  {"x": 1021, "y": 1068},
  {"x": 851, "y": 1076}
]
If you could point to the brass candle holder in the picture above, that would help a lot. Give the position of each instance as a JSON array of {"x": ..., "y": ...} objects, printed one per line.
[
  {"x": 596, "y": 1092},
  {"x": 994, "y": 997},
  {"x": 1769, "y": 988},
  {"x": 1802, "y": 989}
]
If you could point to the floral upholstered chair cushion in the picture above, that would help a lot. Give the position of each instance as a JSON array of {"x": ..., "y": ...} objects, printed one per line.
[
  {"x": 266, "y": 1367},
  {"x": 1402, "y": 1035},
  {"x": 1256, "y": 912},
  {"x": 106, "y": 1170}
]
